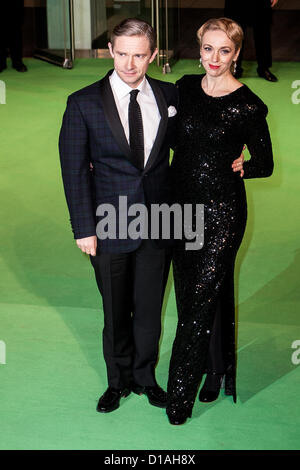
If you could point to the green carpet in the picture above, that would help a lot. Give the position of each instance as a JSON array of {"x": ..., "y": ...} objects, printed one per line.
[{"x": 51, "y": 317}]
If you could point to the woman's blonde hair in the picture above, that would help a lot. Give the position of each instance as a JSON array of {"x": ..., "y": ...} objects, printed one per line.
[{"x": 228, "y": 26}]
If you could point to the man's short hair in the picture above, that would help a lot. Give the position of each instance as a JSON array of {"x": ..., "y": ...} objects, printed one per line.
[{"x": 135, "y": 27}]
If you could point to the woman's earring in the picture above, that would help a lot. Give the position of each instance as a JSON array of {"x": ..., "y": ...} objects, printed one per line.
[
  {"x": 200, "y": 60},
  {"x": 234, "y": 67}
]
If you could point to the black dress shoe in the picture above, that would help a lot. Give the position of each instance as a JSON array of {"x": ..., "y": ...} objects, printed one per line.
[
  {"x": 110, "y": 400},
  {"x": 267, "y": 75},
  {"x": 20, "y": 67},
  {"x": 156, "y": 395},
  {"x": 211, "y": 388}
]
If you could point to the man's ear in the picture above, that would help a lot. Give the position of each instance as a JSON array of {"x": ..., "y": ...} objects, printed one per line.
[
  {"x": 110, "y": 47},
  {"x": 153, "y": 56}
]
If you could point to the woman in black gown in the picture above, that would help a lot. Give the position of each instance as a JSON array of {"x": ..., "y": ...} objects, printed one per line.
[{"x": 217, "y": 115}]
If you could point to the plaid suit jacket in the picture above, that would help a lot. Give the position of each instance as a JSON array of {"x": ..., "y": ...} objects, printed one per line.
[{"x": 92, "y": 132}]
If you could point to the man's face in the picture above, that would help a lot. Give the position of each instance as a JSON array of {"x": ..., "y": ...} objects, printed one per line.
[{"x": 132, "y": 56}]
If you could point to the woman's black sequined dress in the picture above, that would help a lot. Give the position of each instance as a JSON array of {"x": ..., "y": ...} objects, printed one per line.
[{"x": 211, "y": 135}]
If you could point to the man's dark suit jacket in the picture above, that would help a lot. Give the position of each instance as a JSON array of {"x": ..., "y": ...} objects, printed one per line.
[{"x": 92, "y": 132}]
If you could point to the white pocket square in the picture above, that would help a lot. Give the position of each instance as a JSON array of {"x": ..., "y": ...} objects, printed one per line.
[{"x": 172, "y": 111}]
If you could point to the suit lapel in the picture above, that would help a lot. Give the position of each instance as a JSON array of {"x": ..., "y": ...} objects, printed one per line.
[
  {"x": 114, "y": 122},
  {"x": 112, "y": 116},
  {"x": 162, "y": 128}
]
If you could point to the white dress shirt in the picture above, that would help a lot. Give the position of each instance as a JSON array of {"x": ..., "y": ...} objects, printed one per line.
[{"x": 148, "y": 105}]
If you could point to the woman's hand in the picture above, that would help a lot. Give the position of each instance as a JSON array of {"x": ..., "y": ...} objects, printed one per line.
[{"x": 238, "y": 164}]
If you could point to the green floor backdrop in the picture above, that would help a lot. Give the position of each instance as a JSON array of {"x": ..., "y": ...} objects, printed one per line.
[{"x": 51, "y": 367}]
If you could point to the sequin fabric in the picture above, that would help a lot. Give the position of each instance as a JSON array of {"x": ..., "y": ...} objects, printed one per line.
[{"x": 211, "y": 134}]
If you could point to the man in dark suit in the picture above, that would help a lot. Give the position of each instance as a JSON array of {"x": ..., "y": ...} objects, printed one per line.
[
  {"x": 258, "y": 15},
  {"x": 130, "y": 273},
  {"x": 128, "y": 147}
]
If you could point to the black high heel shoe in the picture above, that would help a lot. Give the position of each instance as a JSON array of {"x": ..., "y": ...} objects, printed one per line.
[
  {"x": 177, "y": 417},
  {"x": 211, "y": 388}
]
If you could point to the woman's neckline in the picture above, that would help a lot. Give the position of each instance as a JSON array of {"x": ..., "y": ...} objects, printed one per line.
[{"x": 221, "y": 96}]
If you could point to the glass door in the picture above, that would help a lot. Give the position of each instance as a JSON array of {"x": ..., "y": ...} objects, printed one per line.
[
  {"x": 93, "y": 22},
  {"x": 55, "y": 38},
  {"x": 106, "y": 14},
  {"x": 163, "y": 15}
]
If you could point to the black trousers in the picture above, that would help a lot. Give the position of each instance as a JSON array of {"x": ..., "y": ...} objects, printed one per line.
[
  {"x": 262, "y": 41},
  {"x": 11, "y": 23},
  {"x": 132, "y": 287},
  {"x": 257, "y": 14}
]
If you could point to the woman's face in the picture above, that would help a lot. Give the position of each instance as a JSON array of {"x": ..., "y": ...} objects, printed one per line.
[{"x": 217, "y": 52}]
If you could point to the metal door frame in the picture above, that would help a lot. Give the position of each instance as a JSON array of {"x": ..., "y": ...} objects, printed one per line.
[
  {"x": 160, "y": 22},
  {"x": 69, "y": 53}
]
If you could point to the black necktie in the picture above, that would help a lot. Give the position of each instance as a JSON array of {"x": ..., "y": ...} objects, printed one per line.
[{"x": 136, "y": 133}]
